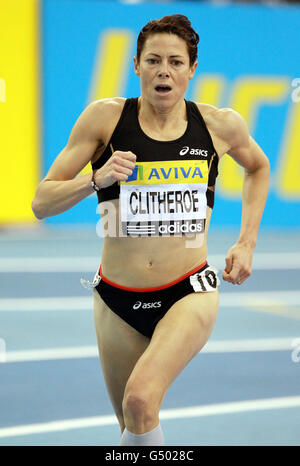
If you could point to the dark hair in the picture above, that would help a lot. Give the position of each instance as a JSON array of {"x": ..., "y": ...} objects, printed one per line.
[{"x": 173, "y": 24}]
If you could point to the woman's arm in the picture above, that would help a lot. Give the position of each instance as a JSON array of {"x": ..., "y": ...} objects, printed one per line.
[
  {"x": 54, "y": 197},
  {"x": 246, "y": 152},
  {"x": 60, "y": 190}
]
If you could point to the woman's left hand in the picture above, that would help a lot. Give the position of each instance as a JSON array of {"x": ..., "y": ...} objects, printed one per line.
[{"x": 238, "y": 264}]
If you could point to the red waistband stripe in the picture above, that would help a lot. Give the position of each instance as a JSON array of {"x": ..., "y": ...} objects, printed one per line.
[{"x": 156, "y": 288}]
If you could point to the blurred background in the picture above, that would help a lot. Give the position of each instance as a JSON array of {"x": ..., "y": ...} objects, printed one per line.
[{"x": 56, "y": 56}]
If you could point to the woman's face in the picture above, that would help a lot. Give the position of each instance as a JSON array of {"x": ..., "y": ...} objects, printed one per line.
[{"x": 164, "y": 69}]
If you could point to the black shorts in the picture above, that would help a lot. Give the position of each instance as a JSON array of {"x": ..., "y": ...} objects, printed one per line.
[{"x": 142, "y": 308}]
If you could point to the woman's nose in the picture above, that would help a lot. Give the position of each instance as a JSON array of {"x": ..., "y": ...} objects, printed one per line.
[{"x": 164, "y": 70}]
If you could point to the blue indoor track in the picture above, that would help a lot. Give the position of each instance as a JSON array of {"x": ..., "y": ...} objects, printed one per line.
[{"x": 243, "y": 388}]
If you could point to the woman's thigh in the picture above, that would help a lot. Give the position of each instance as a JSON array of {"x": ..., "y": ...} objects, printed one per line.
[
  {"x": 120, "y": 346},
  {"x": 178, "y": 337}
]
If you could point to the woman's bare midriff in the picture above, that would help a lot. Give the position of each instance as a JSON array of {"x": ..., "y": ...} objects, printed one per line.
[{"x": 145, "y": 262}]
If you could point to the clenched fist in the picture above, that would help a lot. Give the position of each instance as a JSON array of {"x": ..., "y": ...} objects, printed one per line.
[
  {"x": 238, "y": 264},
  {"x": 118, "y": 168}
]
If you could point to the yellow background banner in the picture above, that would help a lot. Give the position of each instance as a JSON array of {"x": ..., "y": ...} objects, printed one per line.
[{"x": 19, "y": 109}]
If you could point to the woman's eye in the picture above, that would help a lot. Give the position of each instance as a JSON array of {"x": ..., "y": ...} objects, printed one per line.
[{"x": 151, "y": 61}]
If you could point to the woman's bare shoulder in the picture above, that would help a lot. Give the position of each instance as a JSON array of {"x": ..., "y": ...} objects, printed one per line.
[{"x": 225, "y": 123}]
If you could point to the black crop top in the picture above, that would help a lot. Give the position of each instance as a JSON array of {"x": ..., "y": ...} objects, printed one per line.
[{"x": 194, "y": 144}]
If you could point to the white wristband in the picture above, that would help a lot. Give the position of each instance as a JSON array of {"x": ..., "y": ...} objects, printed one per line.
[{"x": 94, "y": 186}]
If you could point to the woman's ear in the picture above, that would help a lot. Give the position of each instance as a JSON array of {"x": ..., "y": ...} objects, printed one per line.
[
  {"x": 136, "y": 66},
  {"x": 193, "y": 69}
]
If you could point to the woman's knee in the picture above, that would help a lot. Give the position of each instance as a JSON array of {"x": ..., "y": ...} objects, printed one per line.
[
  {"x": 137, "y": 406},
  {"x": 140, "y": 404}
]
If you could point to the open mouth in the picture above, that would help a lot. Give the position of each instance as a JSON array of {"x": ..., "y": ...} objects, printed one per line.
[{"x": 163, "y": 88}]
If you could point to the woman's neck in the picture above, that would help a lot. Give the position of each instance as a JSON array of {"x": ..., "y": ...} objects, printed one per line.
[{"x": 161, "y": 117}]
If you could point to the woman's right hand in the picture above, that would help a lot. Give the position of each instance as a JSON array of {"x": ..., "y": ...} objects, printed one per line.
[{"x": 118, "y": 168}]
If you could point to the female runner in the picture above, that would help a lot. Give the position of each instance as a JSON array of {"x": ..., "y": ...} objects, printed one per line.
[{"x": 155, "y": 162}]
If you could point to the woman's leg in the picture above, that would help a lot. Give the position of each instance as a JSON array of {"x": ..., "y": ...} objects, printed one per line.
[
  {"x": 178, "y": 337},
  {"x": 120, "y": 346}
]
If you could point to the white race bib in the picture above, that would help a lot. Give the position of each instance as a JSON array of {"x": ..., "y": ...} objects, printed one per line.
[
  {"x": 164, "y": 198},
  {"x": 205, "y": 281}
]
